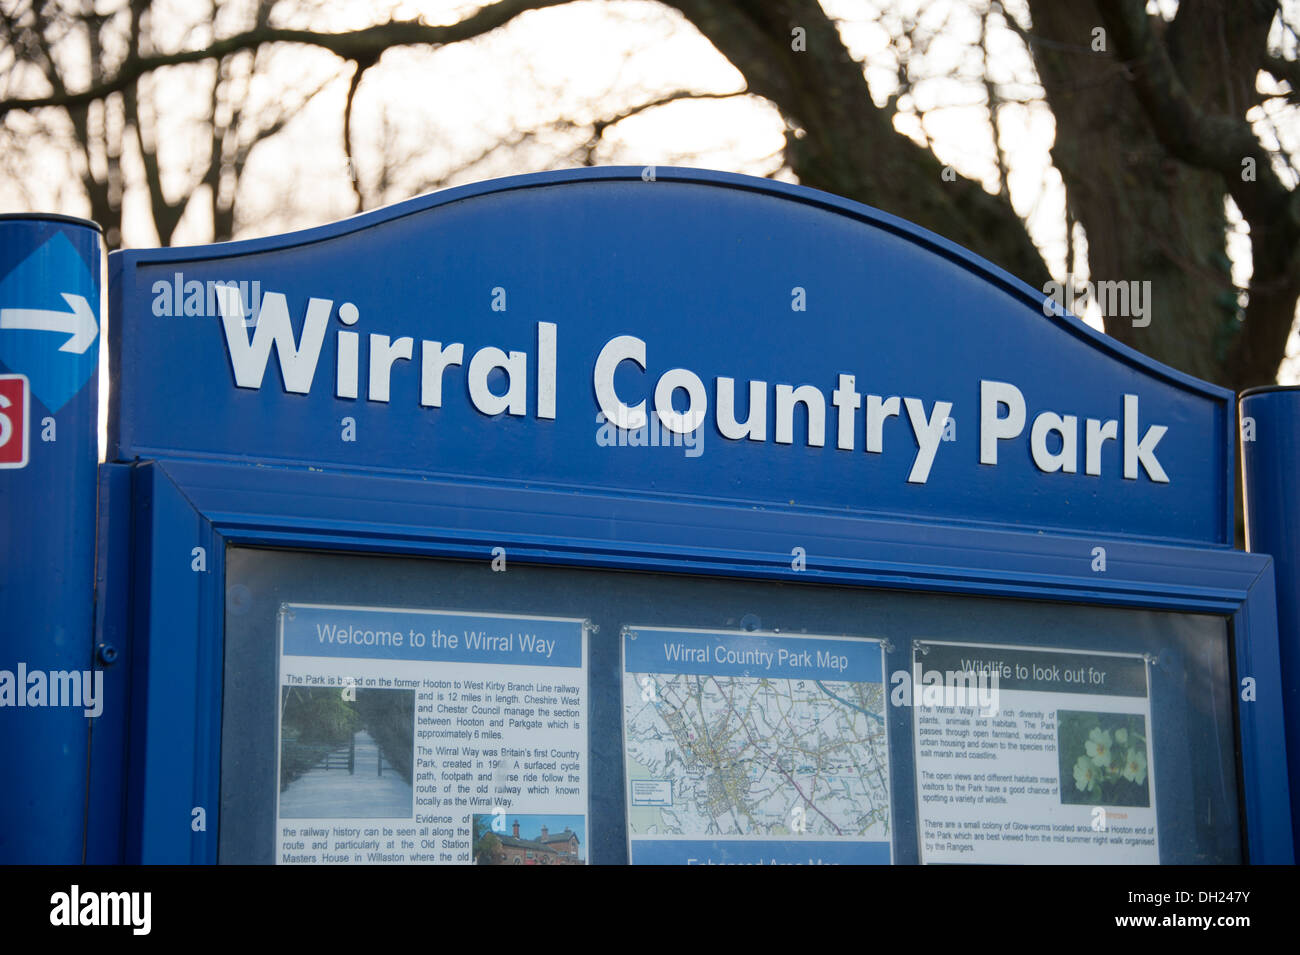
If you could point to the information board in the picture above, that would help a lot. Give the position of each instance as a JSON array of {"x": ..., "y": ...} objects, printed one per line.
[
  {"x": 1049, "y": 758},
  {"x": 431, "y": 736},
  {"x": 755, "y": 749},
  {"x": 728, "y": 721},
  {"x": 482, "y": 381}
]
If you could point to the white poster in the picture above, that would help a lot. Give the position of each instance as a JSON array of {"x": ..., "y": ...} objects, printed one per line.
[
  {"x": 1050, "y": 761},
  {"x": 431, "y": 736},
  {"x": 755, "y": 749}
]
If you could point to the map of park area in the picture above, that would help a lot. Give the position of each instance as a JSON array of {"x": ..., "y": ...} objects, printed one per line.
[{"x": 757, "y": 757}]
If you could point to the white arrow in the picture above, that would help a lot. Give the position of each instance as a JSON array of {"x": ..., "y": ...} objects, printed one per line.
[{"x": 79, "y": 323}]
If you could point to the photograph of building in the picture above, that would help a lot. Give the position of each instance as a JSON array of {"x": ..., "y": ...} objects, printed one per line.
[{"x": 562, "y": 847}]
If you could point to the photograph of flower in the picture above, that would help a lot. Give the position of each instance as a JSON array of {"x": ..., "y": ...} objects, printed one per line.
[{"x": 1103, "y": 758}]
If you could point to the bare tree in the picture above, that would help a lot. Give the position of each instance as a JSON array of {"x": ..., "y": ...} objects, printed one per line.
[
  {"x": 1165, "y": 128},
  {"x": 59, "y": 41}
]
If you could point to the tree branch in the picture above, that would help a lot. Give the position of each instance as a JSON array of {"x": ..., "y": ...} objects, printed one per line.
[
  {"x": 839, "y": 140},
  {"x": 365, "y": 45},
  {"x": 1222, "y": 143},
  {"x": 353, "y": 176},
  {"x": 1207, "y": 140}
]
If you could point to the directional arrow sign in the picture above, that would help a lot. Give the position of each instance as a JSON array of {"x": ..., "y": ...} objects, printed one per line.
[
  {"x": 49, "y": 318},
  {"x": 79, "y": 323}
]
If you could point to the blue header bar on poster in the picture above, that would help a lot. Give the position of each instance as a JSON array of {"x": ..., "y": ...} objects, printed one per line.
[
  {"x": 314, "y": 631},
  {"x": 651, "y": 650}
]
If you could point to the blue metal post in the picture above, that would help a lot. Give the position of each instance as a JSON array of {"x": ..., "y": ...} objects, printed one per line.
[
  {"x": 51, "y": 270},
  {"x": 1270, "y": 459}
]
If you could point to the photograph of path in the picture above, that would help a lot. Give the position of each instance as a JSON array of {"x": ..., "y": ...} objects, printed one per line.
[{"x": 346, "y": 753}]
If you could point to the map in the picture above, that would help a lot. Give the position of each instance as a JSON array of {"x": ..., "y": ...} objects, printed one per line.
[{"x": 717, "y": 755}]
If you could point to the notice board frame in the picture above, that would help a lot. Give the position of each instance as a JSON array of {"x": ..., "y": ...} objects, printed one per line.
[
  {"x": 165, "y": 524},
  {"x": 195, "y": 477}
]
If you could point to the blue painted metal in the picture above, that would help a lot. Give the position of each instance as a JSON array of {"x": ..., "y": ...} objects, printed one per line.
[
  {"x": 1270, "y": 460},
  {"x": 208, "y": 501},
  {"x": 172, "y": 763},
  {"x": 109, "y": 736},
  {"x": 701, "y": 265},
  {"x": 50, "y": 281}
]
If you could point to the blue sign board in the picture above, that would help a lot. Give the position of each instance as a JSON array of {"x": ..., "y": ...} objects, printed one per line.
[
  {"x": 684, "y": 375},
  {"x": 795, "y": 351},
  {"x": 50, "y": 270},
  {"x": 1270, "y": 459}
]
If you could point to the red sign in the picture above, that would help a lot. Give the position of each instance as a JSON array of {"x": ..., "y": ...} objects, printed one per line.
[{"x": 13, "y": 421}]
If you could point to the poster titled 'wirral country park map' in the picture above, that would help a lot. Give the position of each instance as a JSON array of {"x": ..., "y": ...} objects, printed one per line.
[{"x": 754, "y": 748}]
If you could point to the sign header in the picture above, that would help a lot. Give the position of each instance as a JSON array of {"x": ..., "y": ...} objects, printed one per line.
[{"x": 698, "y": 334}]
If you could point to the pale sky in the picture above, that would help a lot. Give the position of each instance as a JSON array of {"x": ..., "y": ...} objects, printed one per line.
[{"x": 421, "y": 115}]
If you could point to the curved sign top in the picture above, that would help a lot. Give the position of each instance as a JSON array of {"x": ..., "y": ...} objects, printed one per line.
[{"x": 668, "y": 332}]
